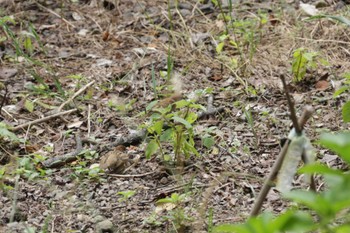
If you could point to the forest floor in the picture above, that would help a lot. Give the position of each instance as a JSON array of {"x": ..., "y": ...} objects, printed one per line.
[{"x": 108, "y": 61}]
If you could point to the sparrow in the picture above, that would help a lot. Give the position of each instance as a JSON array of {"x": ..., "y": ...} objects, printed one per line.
[{"x": 115, "y": 160}]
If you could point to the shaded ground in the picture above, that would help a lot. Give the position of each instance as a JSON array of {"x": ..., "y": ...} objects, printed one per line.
[{"x": 121, "y": 46}]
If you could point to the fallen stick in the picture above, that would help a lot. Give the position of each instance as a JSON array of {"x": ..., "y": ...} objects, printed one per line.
[{"x": 44, "y": 119}]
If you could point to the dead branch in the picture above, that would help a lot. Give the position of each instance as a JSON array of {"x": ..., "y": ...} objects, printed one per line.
[{"x": 44, "y": 119}]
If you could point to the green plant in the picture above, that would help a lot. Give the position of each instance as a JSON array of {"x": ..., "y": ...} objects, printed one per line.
[
  {"x": 126, "y": 195},
  {"x": 173, "y": 124},
  {"x": 304, "y": 60},
  {"x": 177, "y": 214},
  {"x": 346, "y": 106},
  {"x": 81, "y": 169},
  {"x": 29, "y": 167},
  {"x": 23, "y": 43},
  {"x": 327, "y": 211}
]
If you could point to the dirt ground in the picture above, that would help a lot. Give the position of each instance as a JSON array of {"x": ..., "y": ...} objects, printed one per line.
[{"x": 116, "y": 53}]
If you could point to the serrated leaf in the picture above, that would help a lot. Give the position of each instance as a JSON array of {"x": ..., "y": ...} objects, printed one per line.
[
  {"x": 29, "y": 105},
  {"x": 346, "y": 112},
  {"x": 151, "y": 148}
]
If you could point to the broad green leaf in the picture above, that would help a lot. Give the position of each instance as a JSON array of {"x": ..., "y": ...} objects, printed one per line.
[
  {"x": 312, "y": 200},
  {"x": 182, "y": 103},
  {"x": 191, "y": 117},
  {"x": 151, "y": 105},
  {"x": 339, "y": 143},
  {"x": 158, "y": 126},
  {"x": 346, "y": 112},
  {"x": 182, "y": 121},
  {"x": 28, "y": 45},
  {"x": 4, "y": 132},
  {"x": 342, "y": 229},
  {"x": 151, "y": 148},
  {"x": 293, "y": 221},
  {"x": 319, "y": 169},
  {"x": 29, "y": 105},
  {"x": 229, "y": 228},
  {"x": 208, "y": 141},
  {"x": 167, "y": 135},
  {"x": 220, "y": 47}
]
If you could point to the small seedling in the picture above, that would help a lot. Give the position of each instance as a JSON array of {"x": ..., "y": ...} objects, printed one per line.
[{"x": 126, "y": 195}]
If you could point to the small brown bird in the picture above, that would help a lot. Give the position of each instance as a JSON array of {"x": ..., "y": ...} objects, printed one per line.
[
  {"x": 116, "y": 160},
  {"x": 170, "y": 100}
]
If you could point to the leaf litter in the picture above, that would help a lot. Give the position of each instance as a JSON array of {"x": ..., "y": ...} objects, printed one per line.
[{"x": 117, "y": 44}]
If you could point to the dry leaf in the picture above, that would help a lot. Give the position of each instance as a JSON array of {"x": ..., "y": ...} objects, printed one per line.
[{"x": 105, "y": 35}]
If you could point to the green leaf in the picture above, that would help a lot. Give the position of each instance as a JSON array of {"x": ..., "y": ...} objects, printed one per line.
[
  {"x": 182, "y": 121},
  {"x": 312, "y": 200},
  {"x": 338, "y": 18},
  {"x": 346, "y": 112},
  {"x": 166, "y": 135},
  {"x": 293, "y": 221},
  {"x": 227, "y": 228},
  {"x": 28, "y": 45},
  {"x": 127, "y": 194},
  {"x": 4, "y": 132},
  {"x": 342, "y": 229},
  {"x": 340, "y": 91},
  {"x": 339, "y": 143},
  {"x": 151, "y": 105},
  {"x": 158, "y": 126},
  {"x": 220, "y": 47},
  {"x": 319, "y": 169},
  {"x": 191, "y": 117},
  {"x": 151, "y": 148},
  {"x": 189, "y": 148},
  {"x": 208, "y": 141},
  {"x": 29, "y": 105},
  {"x": 182, "y": 103}
]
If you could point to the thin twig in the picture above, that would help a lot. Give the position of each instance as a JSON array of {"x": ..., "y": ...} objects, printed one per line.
[
  {"x": 81, "y": 90},
  {"x": 89, "y": 121},
  {"x": 293, "y": 116},
  {"x": 44, "y": 119},
  {"x": 131, "y": 176},
  {"x": 55, "y": 14}
]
